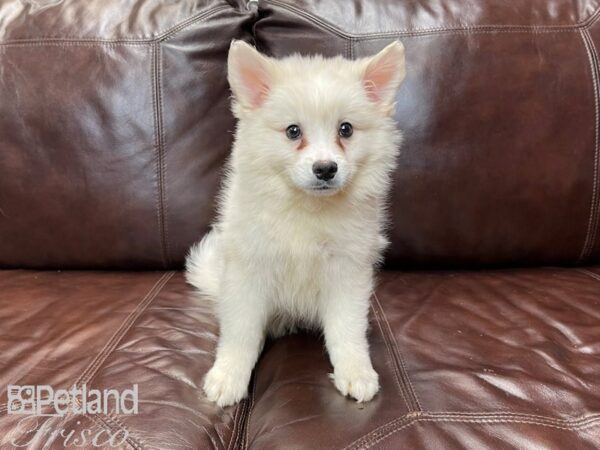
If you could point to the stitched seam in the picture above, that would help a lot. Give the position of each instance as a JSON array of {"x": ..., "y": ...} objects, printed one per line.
[
  {"x": 250, "y": 408},
  {"x": 104, "y": 422},
  {"x": 399, "y": 423},
  {"x": 483, "y": 416},
  {"x": 72, "y": 43},
  {"x": 590, "y": 235},
  {"x": 483, "y": 422},
  {"x": 106, "y": 426},
  {"x": 155, "y": 62},
  {"x": 580, "y": 426},
  {"x": 328, "y": 26},
  {"x": 391, "y": 360},
  {"x": 592, "y": 227},
  {"x": 467, "y": 32},
  {"x": 133, "y": 440},
  {"x": 191, "y": 21},
  {"x": 160, "y": 36},
  {"x": 238, "y": 424},
  {"x": 376, "y": 435},
  {"x": 370, "y": 444},
  {"x": 164, "y": 196},
  {"x": 589, "y": 273},
  {"x": 87, "y": 375},
  {"x": 398, "y": 354},
  {"x": 234, "y": 431}
]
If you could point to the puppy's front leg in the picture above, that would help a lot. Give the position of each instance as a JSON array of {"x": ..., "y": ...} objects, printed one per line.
[
  {"x": 242, "y": 320},
  {"x": 345, "y": 322}
]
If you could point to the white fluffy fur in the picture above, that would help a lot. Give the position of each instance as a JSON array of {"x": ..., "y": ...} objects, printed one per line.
[{"x": 281, "y": 254}]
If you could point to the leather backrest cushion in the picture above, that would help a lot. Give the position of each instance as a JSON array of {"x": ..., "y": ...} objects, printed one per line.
[
  {"x": 500, "y": 117},
  {"x": 114, "y": 125}
]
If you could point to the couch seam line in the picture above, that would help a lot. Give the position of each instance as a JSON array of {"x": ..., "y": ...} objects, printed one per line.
[
  {"x": 163, "y": 176},
  {"x": 159, "y": 149},
  {"x": 246, "y": 429},
  {"x": 592, "y": 224},
  {"x": 375, "y": 436},
  {"x": 390, "y": 358},
  {"x": 334, "y": 29},
  {"x": 400, "y": 359},
  {"x": 72, "y": 42},
  {"x": 159, "y": 36},
  {"x": 482, "y": 416},
  {"x": 237, "y": 424},
  {"x": 588, "y": 273},
  {"x": 121, "y": 426},
  {"x": 483, "y": 422},
  {"x": 234, "y": 431},
  {"x": 104, "y": 422},
  {"x": 200, "y": 17},
  {"x": 365, "y": 440},
  {"x": 91, "y": 370}
]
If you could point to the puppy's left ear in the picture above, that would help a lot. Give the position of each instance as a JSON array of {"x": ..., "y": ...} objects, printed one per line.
[
  {"x": 384, "y": 73},
  {"x": 249, "y": 74}
]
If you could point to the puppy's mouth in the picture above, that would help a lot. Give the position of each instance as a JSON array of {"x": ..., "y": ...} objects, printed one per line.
[{"x": 324, "y": 189}]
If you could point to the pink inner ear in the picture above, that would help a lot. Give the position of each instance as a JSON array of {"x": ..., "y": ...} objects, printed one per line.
[
  {"x": 255, "y": 81},
  {"x": 378, "y": 77}
]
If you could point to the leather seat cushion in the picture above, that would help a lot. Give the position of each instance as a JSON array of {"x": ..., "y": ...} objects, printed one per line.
[{"x": 477, "y": 359}]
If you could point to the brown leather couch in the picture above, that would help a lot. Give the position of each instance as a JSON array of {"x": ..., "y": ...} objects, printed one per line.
[{"x": 114, "y": 126}]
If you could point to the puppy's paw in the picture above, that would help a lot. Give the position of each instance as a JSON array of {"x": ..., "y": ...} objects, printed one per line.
[
  {"x": 359, "y": 382},
  {"x": 225, "y": 387}
]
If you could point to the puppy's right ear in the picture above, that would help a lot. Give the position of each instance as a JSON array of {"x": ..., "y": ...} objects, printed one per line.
[{"x": 249, "y": 74}]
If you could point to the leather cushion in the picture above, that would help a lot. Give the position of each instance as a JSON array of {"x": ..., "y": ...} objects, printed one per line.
[
  {"x": 114, "y": 127},
  {"x": 497, "y": 359}
]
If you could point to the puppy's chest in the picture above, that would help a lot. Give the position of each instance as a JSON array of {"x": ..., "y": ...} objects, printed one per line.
[
  {"x": 301, "y": 244},
  {"x": 299, "y": 256}
]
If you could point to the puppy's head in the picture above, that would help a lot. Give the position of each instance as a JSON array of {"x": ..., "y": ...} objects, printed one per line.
[{"x": 316, "y": 125}]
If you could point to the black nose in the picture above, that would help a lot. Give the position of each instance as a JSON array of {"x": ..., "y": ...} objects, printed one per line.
[{"x": 324, "y": 170}]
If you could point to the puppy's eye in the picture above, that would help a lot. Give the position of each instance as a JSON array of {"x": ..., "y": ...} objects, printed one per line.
[
  {"x": 345, "y": 130},
  {"x": 293, "y": 132}
]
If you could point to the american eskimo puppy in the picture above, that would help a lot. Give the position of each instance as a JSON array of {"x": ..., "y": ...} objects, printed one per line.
[{"x": 301, "y": 213}]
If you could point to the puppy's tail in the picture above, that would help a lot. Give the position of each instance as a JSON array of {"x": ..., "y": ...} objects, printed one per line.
[{"x": 203, "y": 265}]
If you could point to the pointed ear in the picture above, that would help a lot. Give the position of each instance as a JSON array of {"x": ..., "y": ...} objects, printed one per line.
[
  {"x": 384, "y": 73},
  {"x": 249, "y": 74}
]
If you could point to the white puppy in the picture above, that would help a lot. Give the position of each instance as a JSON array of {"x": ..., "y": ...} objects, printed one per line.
[{"x": 301, "y": 220}]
